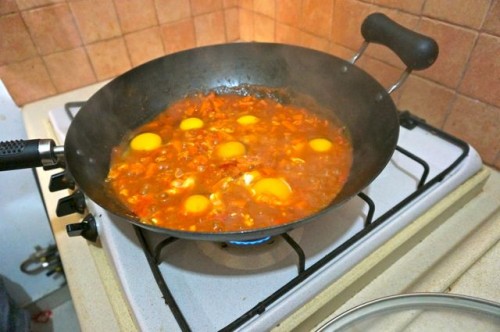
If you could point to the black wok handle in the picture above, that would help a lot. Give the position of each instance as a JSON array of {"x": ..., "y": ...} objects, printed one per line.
[
  {"x": 415, "y": 50},
  {"x": 27, "y": 154}
]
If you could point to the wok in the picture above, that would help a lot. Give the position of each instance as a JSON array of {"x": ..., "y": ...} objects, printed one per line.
[{"x": 137, "y": 96}]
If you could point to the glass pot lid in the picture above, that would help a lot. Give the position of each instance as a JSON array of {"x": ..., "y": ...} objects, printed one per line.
[{"x": 419, "y": 312}]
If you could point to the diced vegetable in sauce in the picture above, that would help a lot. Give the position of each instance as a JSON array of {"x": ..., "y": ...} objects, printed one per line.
[{"x": 218, "y": 163}]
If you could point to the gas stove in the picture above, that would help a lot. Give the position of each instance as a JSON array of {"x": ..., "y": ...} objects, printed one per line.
[{"x": 197, "y": 285}]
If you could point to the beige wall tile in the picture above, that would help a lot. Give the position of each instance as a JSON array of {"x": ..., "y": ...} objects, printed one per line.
[
  {"x": 478, "y": 124},
  {"x": 264, "y": 28},
  {"x": 52, "y": 28},
  {"x": 210, "y": 28},
  {"x": 455, "y": 45},
  {"x": 411, "y": 6},
  {"x": 316, "y": 17},
  {"x": 482, "y": 77},
  {"x": 462, "y": 12},
  {"x": 427, "y": 100},
  {"x": 169, "y": 11},
  {"x": 291, "y": 35},
  {"x": 135, "y": 15},
  {"x": 347, "y": 19},
  {"x": 288, "y": 12},
  {"x": 96, "y": 19},
  {"x": 27, "y": 81},
  {"x": 205, "y": 6},
  {"x": 311, "y": 41},
  {"x": 246, "y": 4},
  {"x": 229, "y": 3},
  {"x": 246, "y": 20},
  {"x": 27, "y": 4},
  {"x": 178, "y": 36},
  {"x": 492, "y": 22},
  {"x": 70, "y": 69},
  {"x": 265, "y": 7},
  {"x": 8, "y": 7},
  {"x": 287, "y": 34},
  {"x": 109, "y": 58},
  {"x": 15, "y": 41},
  {"x": 231, "y": 18},
  {"x": 144, "y": 45},
  {"x": 340, "y": 51}
]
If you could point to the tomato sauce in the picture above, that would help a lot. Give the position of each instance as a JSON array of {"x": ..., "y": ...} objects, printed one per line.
[{"x": 226, "y": 162}]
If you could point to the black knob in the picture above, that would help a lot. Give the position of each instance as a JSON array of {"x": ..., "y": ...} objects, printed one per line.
[
  {"x": 61, "y": 181},
  {"x": 74, "y": 203},
  {"x": 60, "y": 164},
  {"x": 87, "y": 228}
]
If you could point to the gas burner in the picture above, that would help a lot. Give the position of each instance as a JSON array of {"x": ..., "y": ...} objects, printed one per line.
[
  {"x": 249, "y": 243},
  {"x": 255, "y": 256}
]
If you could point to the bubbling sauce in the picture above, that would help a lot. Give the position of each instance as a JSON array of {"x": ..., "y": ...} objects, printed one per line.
[{"x": 222, "y": 162}]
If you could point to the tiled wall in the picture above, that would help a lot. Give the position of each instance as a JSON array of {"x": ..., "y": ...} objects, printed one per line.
[{"x": 51, "y": 46}]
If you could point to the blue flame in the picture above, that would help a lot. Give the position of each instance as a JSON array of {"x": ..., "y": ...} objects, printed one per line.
[{"x": 250, "y": 242}]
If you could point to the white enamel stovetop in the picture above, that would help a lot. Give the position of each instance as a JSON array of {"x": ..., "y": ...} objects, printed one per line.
[{"x": 101, "y": 305}]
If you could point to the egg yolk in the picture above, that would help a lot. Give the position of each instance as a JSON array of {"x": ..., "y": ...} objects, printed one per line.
[
  {"x": 247, "y": 120},
  {"x": 191, "y": 123},
  {"x": 275, "y": 187},
  {"x": 231, "y": 150},
  {"x": 145, "y": 142},
  {"x": 196, "y": 204},
  {"x": 320, "y": 144}
]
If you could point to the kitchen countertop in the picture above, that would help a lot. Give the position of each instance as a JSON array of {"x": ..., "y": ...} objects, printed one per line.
[
  {"x": 456, "y": 253},
  {"x": 95, "y": 291},
  {"x": 460, "y": 256}
]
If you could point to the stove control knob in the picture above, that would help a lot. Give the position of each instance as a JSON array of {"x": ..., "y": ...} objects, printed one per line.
[
  {"x": 74, "y": 203},
  {"x": 61, "y": 181},
  {"x": 87, "y": 228}
]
